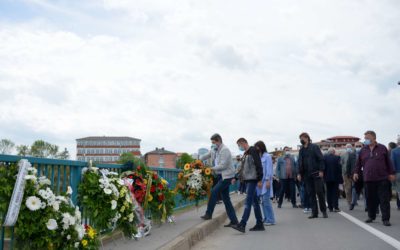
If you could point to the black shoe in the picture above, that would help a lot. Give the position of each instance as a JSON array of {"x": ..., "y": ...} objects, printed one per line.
[
  {"x": 337, "y": 210},
  {"x": 313, "y": 216},
  {"x": 230, "y": 224},
  {"x": 295, "y": 206},
  {"x": 239, "y": 228},
  {"x": 279, "y": 206},
  {"x": 369, "y": 220},
  {"x": 325, "y": 215},
  {"x": 351, "y": 207},
  {"x": 258, "y": 228},
  {"x": 387, "y": 223},
  {"x": 206, "y": 217}
]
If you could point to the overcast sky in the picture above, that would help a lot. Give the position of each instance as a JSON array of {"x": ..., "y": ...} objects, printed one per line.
[{"x": 174, "y": 72}]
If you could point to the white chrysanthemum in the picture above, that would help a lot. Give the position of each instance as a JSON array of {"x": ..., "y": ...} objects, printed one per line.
[
  {"x": 76, "y": 245},
  {"x": 30, "y": 177},
  {"x": 80, "y": 229},
  {"x": 69, "y": 190},
  {"x": 44, "y": 181},
  {"x": 113, "y": 204},
  {"x": 66, "y": 220},
  {"x": 33, "y": 203},
  {"x": 43, "y": 205},
  {"x": 52, "y": 224},
  {"x": 107, "y": 191},
  {"x": 62, "y": 199},
  {"x": 56, "y": 206}
]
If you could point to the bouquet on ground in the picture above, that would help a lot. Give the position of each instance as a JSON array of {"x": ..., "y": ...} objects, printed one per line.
[
  {"x": 195, "y": 181},
  {"x": 152, "y": 192},
  {"x": 107, "y": 201},
  {"x": 47, "y": 220}
]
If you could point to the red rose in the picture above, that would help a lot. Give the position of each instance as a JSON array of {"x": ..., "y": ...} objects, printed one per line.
[
  {"x": 153, "y": 189},
  {"x": 161, "y": 197},
  {"x": 160, "y": 186},
  {"x": 130, "y": 177},
  {"x": 155, "y": 177}
]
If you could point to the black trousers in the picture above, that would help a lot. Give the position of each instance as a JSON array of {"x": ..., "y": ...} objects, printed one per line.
[
  {"x": 288, "y": 184},
  {"x": 332, "y": 195},
  {"x": 378, "y": 193},
  {"x": 315, "y": 187}
]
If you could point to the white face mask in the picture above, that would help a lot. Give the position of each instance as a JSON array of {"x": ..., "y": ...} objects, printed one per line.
[{"x": 287, "y": 153}]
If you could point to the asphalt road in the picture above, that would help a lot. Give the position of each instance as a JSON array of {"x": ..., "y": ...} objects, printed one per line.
[{"x": 295, "y": 231}]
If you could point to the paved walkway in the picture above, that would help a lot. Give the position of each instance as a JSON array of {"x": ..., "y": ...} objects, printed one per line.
[
  {"x": 295, "y": 231},
  {"x": 167, "y": 232}
]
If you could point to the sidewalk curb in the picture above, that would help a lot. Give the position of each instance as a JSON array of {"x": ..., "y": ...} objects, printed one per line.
[{"x": 190, "y": 238}]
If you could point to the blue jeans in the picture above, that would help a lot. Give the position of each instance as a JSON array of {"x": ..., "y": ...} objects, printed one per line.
[
  {"x": 354, "y": 196},
  {"x": 269, "y": 216},
  {"x": 305, "y": 201},
  {"x": 222, "y": 187},
  {"x": 251, "y": 200}
]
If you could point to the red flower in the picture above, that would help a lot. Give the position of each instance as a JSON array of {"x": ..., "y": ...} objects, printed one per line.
[
  {"x": 130, "y": 177},
  {"x": 87, "y": 227},
  {"x": 155, "y": 177},
  {"x": 160, "y": 186},
  {"x": 139, "y": 168},
  {"x": 152, "y": 189},
  {"x": 161, "y": 197}
]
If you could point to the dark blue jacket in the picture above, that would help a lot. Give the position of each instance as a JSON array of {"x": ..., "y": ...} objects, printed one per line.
[{"x": 333, "y": 169}]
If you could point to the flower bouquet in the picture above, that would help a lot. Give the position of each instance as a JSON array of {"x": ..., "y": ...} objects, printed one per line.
[
  {"x": 194, "y": 182},
  {"x": 49, "y": 221},
  {"x": 107, "y": 201}
]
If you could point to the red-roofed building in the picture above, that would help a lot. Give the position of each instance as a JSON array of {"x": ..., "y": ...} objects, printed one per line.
[{"x": 338, "y": 142}]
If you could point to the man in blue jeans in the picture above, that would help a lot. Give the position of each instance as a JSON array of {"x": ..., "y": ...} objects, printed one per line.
[
  {"x": 222, "y": 165},
  {"x": 252, "y": 174}
]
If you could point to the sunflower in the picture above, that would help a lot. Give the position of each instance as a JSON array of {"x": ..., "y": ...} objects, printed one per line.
[
  {"x": 207, "y": 171},
  {"x": 186, "y": 167}
]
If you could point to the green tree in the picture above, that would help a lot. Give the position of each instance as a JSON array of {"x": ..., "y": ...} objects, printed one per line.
[
  {"x": 184, "y": 159},
  {"x": 23, "y": 150},
  {"x": 6, "y": 146},
  {"x": 64, "y": 155}
]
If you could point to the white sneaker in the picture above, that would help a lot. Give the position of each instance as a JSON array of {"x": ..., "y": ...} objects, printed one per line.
[
  {"x": 307, "y": 210},
  {"x": 269, "y": 224}
]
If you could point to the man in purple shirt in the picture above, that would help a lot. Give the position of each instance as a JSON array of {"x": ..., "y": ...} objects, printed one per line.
[{"x": 378, "y": 171}]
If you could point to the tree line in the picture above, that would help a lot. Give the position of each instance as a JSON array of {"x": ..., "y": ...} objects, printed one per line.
[{"x": 39, "y": 148}]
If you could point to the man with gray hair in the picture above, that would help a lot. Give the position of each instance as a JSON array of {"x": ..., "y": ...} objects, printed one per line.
[
  {"x": 348, "y": 161},
  {"x": 333, "y": 177},
  {"x": 395, "y": 157}
]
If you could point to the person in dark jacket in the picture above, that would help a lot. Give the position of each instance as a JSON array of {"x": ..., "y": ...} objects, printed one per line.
[
  {"x": 286, "y": 170},
  {"x": 252, "y": 174},
  {"x": 311, "y": 169},
  {"x": 378, "y": 172},
  {"x": 333, "y": 177}
]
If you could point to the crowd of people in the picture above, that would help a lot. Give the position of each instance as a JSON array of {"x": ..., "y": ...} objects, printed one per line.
[{"x": 367, "y": 169}]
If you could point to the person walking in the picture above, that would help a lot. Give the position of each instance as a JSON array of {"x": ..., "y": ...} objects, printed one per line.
[
  {"x": 378, "y": 171},
  {"x": 395, "y": 157},
  {"x": 311, "y": 168},
  {"x": 348, "y": 160},
  {"x": 222, "y": 164},
  {"x": 286, "y": 170},
  {"x": 333, "y": 177},
  {"x": 266, "y": 192},
  {"x": 252, "y": 174}
]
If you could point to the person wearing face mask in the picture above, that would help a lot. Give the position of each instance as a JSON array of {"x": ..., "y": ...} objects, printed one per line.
[
  {"x": 286, "y": 170},
  {"x": 266, "y": 192},
  {"x": 311, "y": 169},
  {"x": 348, "y": 161},
  {"x": 378, "y": 172},
  {"x": 252, "y": 174},
  {"x": 222, "y": 164}
]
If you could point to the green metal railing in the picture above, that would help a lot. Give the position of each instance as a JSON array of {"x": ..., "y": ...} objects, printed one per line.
[{"x": 64, "y": 173}]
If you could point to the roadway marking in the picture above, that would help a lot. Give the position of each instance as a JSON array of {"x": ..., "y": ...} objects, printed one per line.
[{"x": 386, "y": 238}]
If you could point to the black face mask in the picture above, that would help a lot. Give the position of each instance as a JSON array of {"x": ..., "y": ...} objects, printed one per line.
[{"x": 303, "y": 142}]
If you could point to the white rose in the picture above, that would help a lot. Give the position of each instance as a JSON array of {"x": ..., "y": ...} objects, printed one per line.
[
  {"x": 107, "y": 191},
  {"x": 52, "y": 224}
]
